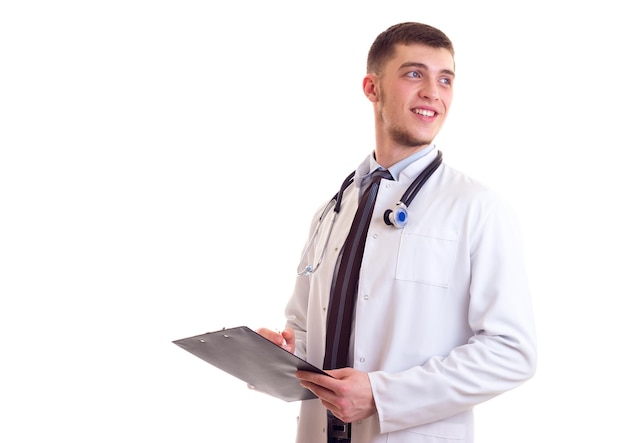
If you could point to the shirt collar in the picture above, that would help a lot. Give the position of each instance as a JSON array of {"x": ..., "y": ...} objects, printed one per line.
[{"x": 395, "y": 169}]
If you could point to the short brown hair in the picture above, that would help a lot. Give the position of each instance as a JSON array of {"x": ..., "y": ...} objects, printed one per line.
[{"x": 404, "y": 33}]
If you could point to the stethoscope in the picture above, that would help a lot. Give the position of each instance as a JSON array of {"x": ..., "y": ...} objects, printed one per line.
[{"x": 393, "y": 217}]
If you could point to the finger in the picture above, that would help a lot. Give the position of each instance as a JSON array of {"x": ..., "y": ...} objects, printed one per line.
[
  {"x": 321, "y": 380},
  {"x": 340, "y": 373},
  {"x": 325, "y": 395},
  {"x": 272, "y": 336},
  {"x": 289, "y": 334}
]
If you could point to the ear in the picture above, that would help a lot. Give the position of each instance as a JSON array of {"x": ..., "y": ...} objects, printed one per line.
[{"x": 370, "y": 87}]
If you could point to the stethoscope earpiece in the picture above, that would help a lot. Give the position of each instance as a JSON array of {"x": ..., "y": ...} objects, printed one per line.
[{"x": 397, "y": 216}]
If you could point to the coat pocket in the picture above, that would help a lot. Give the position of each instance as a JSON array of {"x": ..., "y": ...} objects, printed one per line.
[{"x": 426, "y": 255}]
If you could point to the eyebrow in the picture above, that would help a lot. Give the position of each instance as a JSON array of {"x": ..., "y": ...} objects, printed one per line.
[{"x": 425, "y": 67}]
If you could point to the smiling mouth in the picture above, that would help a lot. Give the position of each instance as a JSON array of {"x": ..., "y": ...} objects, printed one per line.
[{"x": 424, "y": 112}]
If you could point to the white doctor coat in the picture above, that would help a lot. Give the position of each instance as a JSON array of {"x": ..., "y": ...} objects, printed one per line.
[{"x": 443, "y": 317}]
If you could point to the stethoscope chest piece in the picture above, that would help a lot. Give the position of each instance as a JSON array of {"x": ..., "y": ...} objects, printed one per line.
[
  {"x": 397, "y": 216},
  {"x": 393, "y": 217}
]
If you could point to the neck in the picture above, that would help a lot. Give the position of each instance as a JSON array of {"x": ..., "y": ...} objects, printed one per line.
[{"x": 390, "y": 155}]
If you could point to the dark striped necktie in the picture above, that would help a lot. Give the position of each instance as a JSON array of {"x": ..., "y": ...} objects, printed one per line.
[{"x": 346, "y": 278}]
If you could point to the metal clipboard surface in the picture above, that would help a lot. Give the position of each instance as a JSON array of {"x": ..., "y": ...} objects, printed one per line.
[{"x": 252, "y": 358}]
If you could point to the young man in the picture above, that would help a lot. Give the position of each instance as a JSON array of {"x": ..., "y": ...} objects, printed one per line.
[{"x": 442, "y": 318}]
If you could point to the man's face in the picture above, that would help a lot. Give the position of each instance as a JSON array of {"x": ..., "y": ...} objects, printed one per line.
[{"x": 414, "y": 92}]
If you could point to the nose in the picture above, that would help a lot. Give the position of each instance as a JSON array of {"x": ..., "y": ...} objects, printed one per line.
[{"x": 429, "y": 90}]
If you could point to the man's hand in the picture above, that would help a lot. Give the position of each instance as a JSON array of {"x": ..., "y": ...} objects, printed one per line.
[
  {"x": 347, "y": 394},
  {"x": 285, "y": 339}
]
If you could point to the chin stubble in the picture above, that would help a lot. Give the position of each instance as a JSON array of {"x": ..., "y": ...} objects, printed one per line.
[
  {"x": 403, "y": 138},
  {"x": 400, "y": 135}
]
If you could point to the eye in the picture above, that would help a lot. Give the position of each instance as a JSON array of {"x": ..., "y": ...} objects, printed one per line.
[
  {"x": 413, "y": 74},
  {"x": 446, "y": 81}
]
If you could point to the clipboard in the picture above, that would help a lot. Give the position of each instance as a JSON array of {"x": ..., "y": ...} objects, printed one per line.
[{"x": 250, "y": 357}]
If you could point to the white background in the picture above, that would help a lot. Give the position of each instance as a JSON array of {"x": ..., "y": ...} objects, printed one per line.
[{"x": 136, "y": 208}]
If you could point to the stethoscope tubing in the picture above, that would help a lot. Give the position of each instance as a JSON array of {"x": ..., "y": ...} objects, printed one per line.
[
  {"x": 390, "y": 217},
  {"x": 417, "y": 184}
]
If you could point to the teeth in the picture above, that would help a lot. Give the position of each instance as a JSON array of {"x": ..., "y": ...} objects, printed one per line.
[{"x": 425, "y": 112}]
